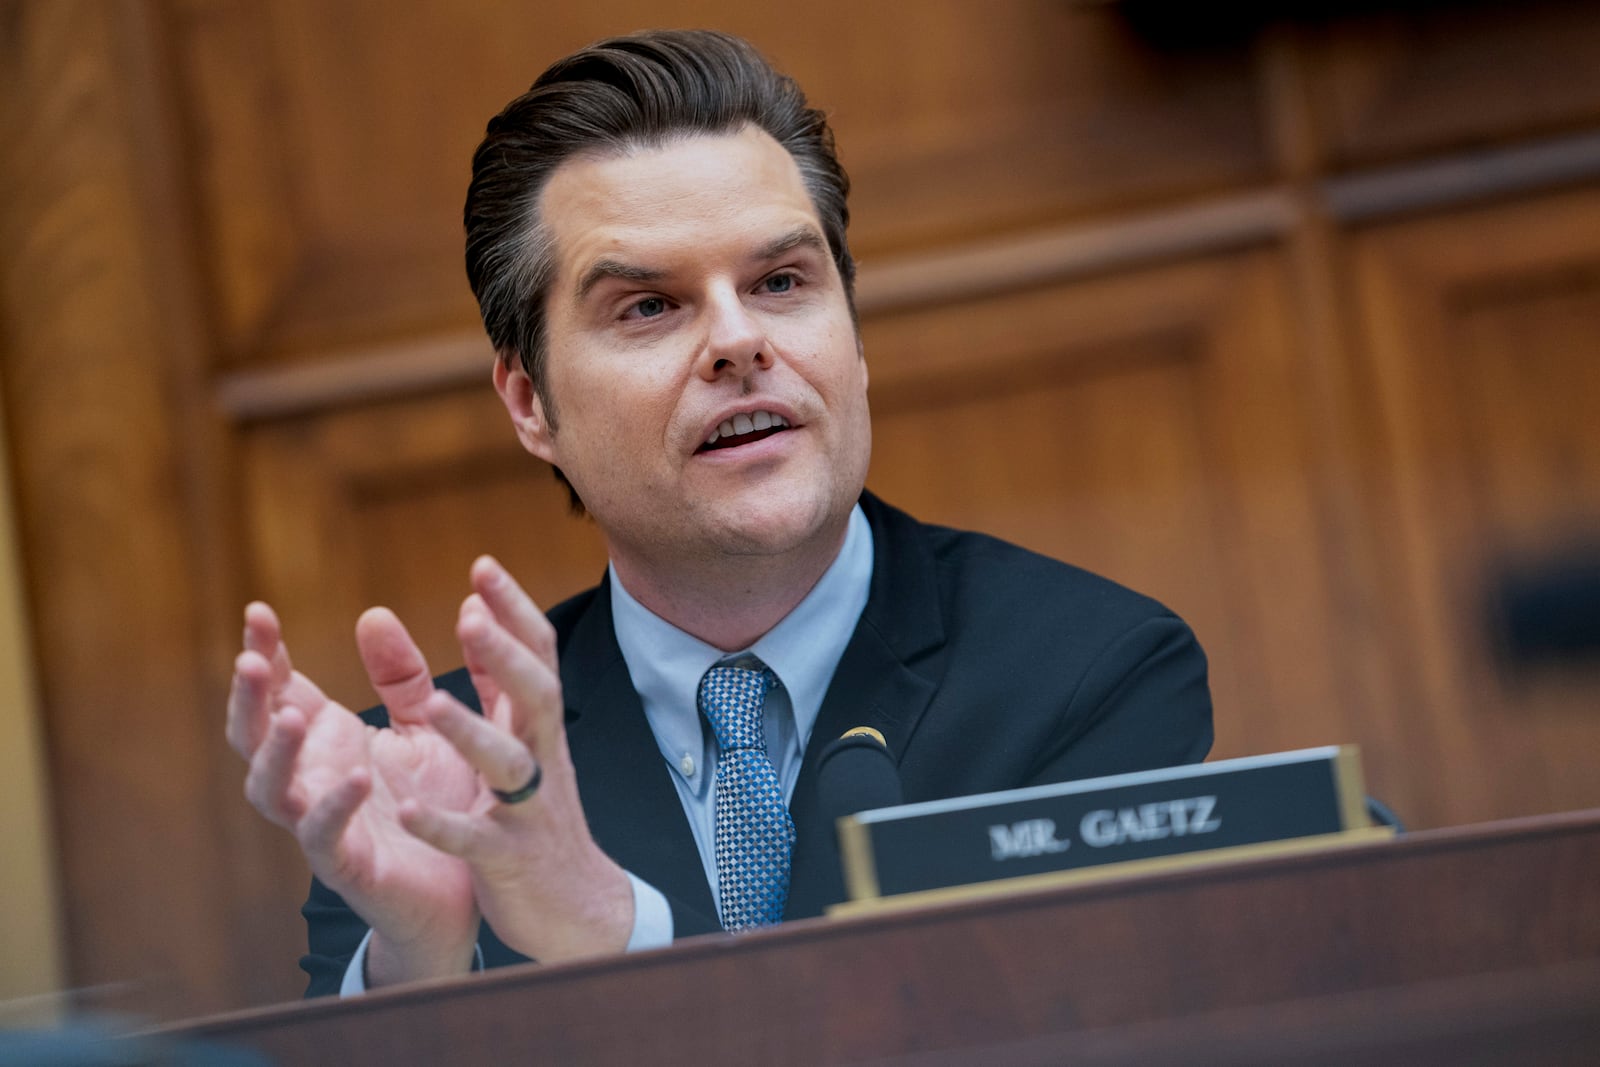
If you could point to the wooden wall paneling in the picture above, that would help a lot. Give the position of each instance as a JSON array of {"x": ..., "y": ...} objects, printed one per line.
[
  {"x": 389, "y": 504},
  {"x": 1150, "y": 427},
  {"x": 330, "y": 152},
  {"x": 239, "y": 160},
  {"x": 245, "y": 845},
  {"x": 1481, "y": 328},
  {"x": 1527, "y": 168},
  {"x": 330, "y": 141},
  {"x": 1442, "y": 76},
  {"x": 968, "y": 121},
  {"x": 274, "y": 192},
  {"x": 1339, "y": 433},
  {"x": 368, "y": 375},
  {"x": 118, "y": 526}
]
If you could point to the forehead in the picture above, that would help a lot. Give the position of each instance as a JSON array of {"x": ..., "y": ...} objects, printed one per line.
[{"x": 689, "y": 196}]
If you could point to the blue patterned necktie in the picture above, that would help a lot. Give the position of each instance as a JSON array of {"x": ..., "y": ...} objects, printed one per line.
[{"x": 754, "y": 832}]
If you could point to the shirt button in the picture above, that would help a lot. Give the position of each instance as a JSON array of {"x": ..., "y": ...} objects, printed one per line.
[{"x": 686, "y": 765}]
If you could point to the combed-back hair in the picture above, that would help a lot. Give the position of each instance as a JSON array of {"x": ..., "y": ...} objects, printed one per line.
[{"x": 641, "y": 90}]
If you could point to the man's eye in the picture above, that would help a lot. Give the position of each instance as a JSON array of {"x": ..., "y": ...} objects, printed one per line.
[
  {"x": 650, "y": 307},
  {"x": 779, "y": 283}
]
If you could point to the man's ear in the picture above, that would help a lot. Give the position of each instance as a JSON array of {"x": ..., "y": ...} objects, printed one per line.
[{"x": 525, "y": 408}]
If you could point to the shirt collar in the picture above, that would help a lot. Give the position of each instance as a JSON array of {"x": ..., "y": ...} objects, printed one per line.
[{"x": 803, "y": 649}]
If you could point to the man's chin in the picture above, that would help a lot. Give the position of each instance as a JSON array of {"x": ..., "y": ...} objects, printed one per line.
[{"x": 767, "y": 523}]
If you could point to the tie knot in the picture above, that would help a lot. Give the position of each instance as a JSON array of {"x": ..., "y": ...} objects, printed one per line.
[{"x": 732, "y": 699}]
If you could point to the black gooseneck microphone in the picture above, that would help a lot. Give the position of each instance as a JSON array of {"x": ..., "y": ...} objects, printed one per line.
[{"x": 856, "y": 773}]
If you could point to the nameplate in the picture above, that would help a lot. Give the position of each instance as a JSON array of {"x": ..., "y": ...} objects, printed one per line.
[{"x": 1142, "y": 818}]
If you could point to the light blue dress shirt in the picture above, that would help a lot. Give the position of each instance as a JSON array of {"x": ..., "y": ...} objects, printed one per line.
[{"x": 666, "y": 665}]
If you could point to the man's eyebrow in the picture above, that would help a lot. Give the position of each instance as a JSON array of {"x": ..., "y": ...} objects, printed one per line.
[
  {"x": 601, "y": 269},
  {"x": 799, "y": 237}
]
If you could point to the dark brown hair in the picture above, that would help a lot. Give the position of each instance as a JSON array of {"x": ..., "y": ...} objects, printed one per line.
[{"x": 621, "y": 93}]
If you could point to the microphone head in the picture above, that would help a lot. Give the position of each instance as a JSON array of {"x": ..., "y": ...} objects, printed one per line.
[{"x": 856, "y": 773}]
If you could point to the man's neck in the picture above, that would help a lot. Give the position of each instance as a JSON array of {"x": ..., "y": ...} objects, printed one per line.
[{"x": 729, "y": 602}]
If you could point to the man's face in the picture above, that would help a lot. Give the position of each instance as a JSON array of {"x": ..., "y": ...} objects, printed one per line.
[{"x": 693, "y": 294}]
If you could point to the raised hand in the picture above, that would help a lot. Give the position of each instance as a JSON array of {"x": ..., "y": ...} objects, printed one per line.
[
  {"x": 540, "y": 879},
  {"x": 339, "y": 786}
]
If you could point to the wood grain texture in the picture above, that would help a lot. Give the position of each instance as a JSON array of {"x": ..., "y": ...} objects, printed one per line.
[
  {"x": 1333, "y": 399},
  {"x": 1466, "y": 178},
  {"x": 981, "y": 977},
  {"x": 1441, "y": 76},
  {"x": 1548, "y": 1015},
  {"x": 1481, "y": 330},
  {"x": 329, "y": 224},
  {"x": 95, "y": 391},
  {"x": 390, "y": 505},
  {"x": 1150, "y": 428}
]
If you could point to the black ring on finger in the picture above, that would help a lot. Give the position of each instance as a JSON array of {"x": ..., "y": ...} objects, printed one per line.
[{"x": 517, "y": 796}]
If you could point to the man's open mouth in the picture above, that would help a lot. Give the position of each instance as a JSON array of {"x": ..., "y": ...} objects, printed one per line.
[{"x": 744, "y": 429}]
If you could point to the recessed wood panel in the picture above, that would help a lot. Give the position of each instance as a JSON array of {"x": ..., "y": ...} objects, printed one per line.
[
  {"x": 1483, "y": 329},
  {"x": 331, "y": 141},
  {"x": 1149, "y": 428},
  {"x": 1450, "y": 75},
  {"x": 390, "y": 505}
]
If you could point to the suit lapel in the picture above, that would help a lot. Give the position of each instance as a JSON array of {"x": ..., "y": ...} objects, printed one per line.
[
  {"x": 628, "y": 797},
  {"x": 886, "y": 678}
]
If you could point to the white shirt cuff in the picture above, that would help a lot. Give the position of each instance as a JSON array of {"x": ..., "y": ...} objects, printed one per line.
[
  {"x": 652, "y": 928},
  {"x": 652, "y": 917}
]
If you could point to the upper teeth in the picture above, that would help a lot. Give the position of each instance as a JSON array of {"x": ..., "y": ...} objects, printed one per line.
[{"x": 742, "y": 424}]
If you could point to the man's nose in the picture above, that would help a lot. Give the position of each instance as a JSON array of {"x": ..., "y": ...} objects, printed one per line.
[{"x": 735, "y": 340}]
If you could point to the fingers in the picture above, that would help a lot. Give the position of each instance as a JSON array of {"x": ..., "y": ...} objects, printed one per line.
[
  {"x": 502, "y": 760},
  {"x": 514, "y": 609},
  {"x": 322, "y": 829},
  {"x": 269, "y": 785},
  {"x": 525, "y": 714},
  {"x": 483, "y": 682},
  {"x": 524, "y": 678},
  {"x": 264, "y": 634},
  {"x": 259, "y": 672},
  {"x": 459, "y": 835},
  {"x": 394, "y": 665},
  {"x": 263, "y": 681},
  {"x": 249, "y": 702}
]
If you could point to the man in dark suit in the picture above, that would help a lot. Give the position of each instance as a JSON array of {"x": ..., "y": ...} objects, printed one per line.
[{"x": 656, "y": 237}]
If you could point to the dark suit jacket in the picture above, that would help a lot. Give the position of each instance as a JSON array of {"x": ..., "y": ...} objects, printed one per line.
[{"x": 984, "y": 666}]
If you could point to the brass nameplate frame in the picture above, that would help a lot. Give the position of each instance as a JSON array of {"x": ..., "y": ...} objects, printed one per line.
[{"x": 1073, "y": 831}]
